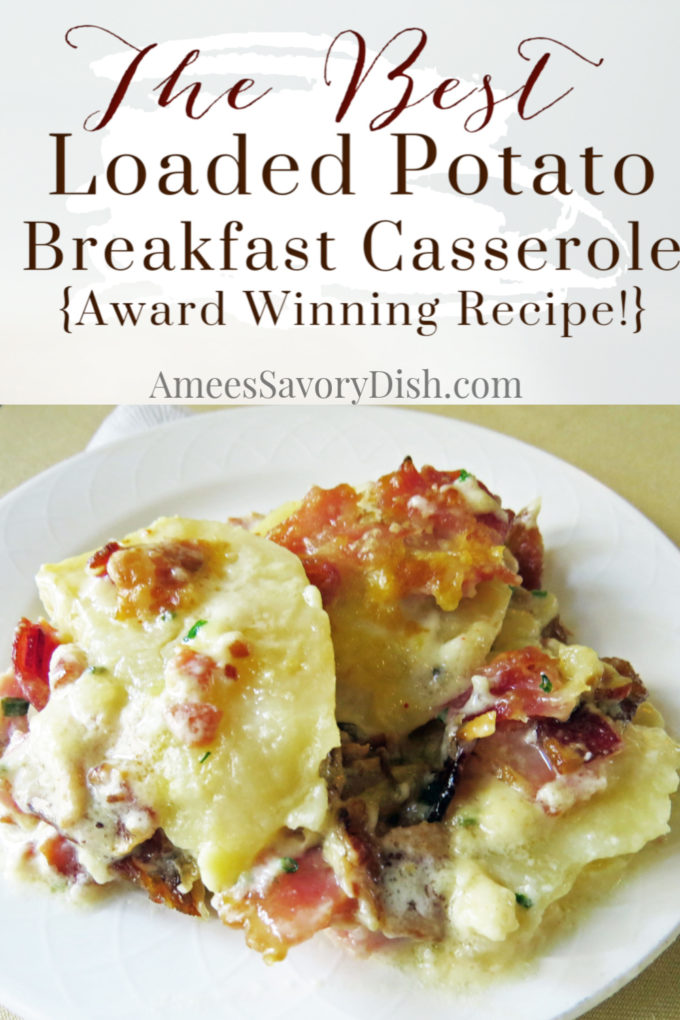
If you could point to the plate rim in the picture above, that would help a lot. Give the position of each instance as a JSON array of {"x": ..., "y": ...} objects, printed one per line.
[{"x": 91, "y": 452}]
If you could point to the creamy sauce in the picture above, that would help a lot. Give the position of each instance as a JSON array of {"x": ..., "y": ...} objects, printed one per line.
[{"x": 503, "y": 844}]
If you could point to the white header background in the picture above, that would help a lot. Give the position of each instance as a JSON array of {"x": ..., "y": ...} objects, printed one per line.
[{"x": 627, "y": 105}]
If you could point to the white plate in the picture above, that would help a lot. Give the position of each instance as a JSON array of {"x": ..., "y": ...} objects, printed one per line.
[{"x": 619, "y": 583}]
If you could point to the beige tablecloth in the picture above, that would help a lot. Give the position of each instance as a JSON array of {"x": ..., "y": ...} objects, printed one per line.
[{"x": 633, "y": 450}]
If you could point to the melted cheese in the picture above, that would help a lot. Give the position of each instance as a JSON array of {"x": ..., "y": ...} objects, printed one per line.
[
  {"x": 396, "y": 668},
  {"x": 112, "y": 756},
  {"x": 401, "y": 655},
  {"x": 503, "y": 844},
  {"x": 397, "y": 664}
]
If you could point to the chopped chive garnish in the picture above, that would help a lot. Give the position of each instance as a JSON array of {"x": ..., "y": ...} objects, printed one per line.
[
  {"x": 467, "y": 822},
  {"x": 539, "y": 593},
  {"x": 168, "y": 614},
  {"x": 289, "y": 865},
  {"x": 193, "y": 631},
  {"x": 545, "y": 683},
  {"x": 524, "y": 901},
  {"x": 96, "y": 670},
  {"x": 204, "y": 757},
  {"x": 14, "y": 706},
  {"x": 464, "y": 475}
]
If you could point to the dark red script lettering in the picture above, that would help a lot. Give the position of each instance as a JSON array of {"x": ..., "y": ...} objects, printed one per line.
[
  {"x": 166, "y": 86},
  {"x": 479, "y": 117}
]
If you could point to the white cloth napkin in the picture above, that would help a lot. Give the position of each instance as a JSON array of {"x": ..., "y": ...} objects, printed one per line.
[{"x": 132, "y": 419}]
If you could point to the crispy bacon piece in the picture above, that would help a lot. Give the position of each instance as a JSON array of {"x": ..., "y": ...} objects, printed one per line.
[
  {"x": 31, "y": 653},
  {"x": 195, "y": 665},
  {"x": 295, "y": 906},
  {"x": 325, "y": 576},
  {"x": 535, "y": 753},
  {"x": 323, "y": 515},
  {"x": 410, "y": 494},
  {"x": 150, "y": 579},
  {"x": 239, "y": 649},
  {"x": 161, "y": 869},
  {"x": 412, "y": 532},
  {"x": 555, "y": 629},
  {"x": 526, "y": 544},
  {"x": 539, "y": 735},
  {"x": 526, "y": 683},
  {"x": 194, "y": 722},
  {"x": 623, "y": 701},
  {"x": 61, "y": 855},
  {"x": 586, "y": 734},
  {"x": 99, "y": 560}
]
